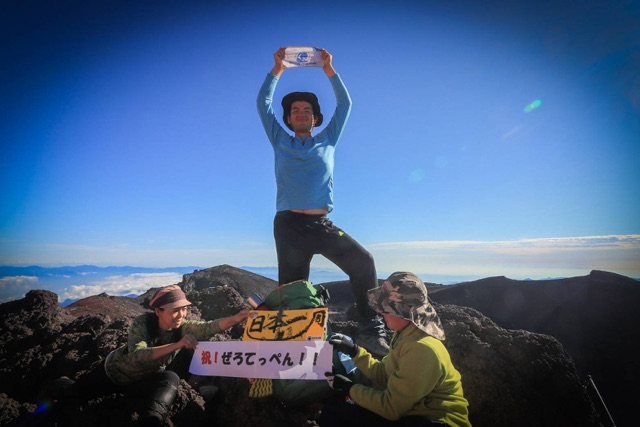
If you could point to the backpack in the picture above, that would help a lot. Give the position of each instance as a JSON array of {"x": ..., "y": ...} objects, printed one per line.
[{"x": 295, "y": 296}]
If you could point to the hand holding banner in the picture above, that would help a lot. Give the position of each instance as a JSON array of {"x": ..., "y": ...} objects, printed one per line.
[
  {"x": 302, "y": 56},
  {"x": 293, "y": 360}
]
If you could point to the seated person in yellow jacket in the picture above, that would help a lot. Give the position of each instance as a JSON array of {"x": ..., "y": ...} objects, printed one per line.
[{"x": 416, "y": 384}]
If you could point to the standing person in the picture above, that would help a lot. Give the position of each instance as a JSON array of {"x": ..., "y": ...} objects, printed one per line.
[
  {"x": 416, "y": 384},
  {"x": 146, "y": 367},
  {"x": 304, "y": 177}
]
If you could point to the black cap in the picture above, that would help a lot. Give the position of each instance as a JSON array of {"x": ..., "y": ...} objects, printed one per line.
[{"x": 301, "y": 96}]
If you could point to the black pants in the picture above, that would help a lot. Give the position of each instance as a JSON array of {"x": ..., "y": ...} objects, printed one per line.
[
  {"x": 299, "y": 237},
  {"x": 154, "y": 393},
  {"x": 337, "y": 412}
]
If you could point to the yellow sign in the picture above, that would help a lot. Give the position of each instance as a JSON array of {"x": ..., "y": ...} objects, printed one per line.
[{"x": 287, "y": 325}]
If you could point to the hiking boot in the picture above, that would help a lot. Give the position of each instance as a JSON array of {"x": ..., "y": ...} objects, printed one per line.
[
  {"x": 372, "y": 336},
  {"x": 374, "y": 344}
]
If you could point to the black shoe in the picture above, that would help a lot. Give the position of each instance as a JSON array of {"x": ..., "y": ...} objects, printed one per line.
[{"x": 372, "y": 336}]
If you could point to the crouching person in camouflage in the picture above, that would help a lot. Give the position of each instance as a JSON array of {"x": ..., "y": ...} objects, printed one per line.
[
  {"x": 145, "y": 368},
  {"x": 416, "y": 384}
]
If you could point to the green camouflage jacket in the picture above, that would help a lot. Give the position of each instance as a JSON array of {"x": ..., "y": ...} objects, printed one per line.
[{"x": 133, "y": 361}]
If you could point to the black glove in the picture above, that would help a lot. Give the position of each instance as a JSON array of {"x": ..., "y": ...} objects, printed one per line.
[
  {"x": 339, "y": 382},
  {"x": 343, "y": 344}
]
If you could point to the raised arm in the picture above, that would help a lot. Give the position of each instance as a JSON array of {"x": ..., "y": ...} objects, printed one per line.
[
  {"x": 328, "y": 65},
  {"x": 227, "y": 322},
  {"x": 278, "y": 67}
]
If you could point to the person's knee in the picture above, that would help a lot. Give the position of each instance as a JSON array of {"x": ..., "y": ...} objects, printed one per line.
[
  {"x": 166, "y": 386},
  {"x": 170, "y": 379},
  {"x": 164, "y": 389},
  {"x": 363, "y": 271}
]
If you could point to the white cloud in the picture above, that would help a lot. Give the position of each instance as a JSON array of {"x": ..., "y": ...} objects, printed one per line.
[
  {"x": 16, "y": 282},
  {"x": 136, "y": 283},
  {"x": 13, "y": 287},
  {"x": 524, "y": 258},
  {"x": 631, "y": 241},
  {"x": 438, "y": 261}
]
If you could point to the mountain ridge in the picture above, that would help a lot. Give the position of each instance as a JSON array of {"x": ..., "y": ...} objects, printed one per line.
[{"x": 510, "y": 376}]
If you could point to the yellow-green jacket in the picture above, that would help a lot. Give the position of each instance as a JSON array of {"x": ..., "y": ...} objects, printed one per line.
[{"x": 415, "y": 378}]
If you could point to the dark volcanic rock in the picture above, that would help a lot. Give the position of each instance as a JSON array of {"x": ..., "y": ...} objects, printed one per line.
[
  {"x": 115, "y": 308},
  {"x": 593, "y": 317},
  {"x": 30, "y": 348},
  {"x": 245, "y": 282},
  {"x": 510, "y": 377},
  {"x": 513, "y": 377}
]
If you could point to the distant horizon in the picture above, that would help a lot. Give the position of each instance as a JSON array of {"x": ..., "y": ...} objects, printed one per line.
[
  {"x": 132, "y": 280},
  {"x": 271, "y": 271},
  {"x": 438, "y": 261}
]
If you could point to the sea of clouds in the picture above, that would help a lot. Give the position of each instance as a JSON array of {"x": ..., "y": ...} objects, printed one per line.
[{"x": 74, "y": 283}]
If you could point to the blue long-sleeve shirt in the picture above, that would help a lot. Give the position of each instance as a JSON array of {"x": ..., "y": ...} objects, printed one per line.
[{"x": 304, "y": 169}]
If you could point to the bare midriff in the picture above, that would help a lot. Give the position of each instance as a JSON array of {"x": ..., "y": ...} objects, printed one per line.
[{"x": 320, "y": 211}]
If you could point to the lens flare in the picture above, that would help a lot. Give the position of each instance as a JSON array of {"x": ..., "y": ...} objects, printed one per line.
[
  {"x": 417, "y": 175},
  {"x": 43, "y": 406},
  {"x": 535, "y": 104}
]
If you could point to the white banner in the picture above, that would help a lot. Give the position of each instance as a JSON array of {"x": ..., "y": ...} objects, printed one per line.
[
  {"x": 292, "y": 360},
  {"x": 302, "y": 56}
]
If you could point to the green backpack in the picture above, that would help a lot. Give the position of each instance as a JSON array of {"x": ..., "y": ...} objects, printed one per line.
[{"x": 295, "y": 296}]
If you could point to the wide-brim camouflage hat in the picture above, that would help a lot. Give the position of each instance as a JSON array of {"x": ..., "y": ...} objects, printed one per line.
[{"x": 404, "y": 294}]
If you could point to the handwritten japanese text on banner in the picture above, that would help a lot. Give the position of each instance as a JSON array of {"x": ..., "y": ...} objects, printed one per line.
[
  {"x": 287, "y": 325},
  {"x": 307, "y": 360}
]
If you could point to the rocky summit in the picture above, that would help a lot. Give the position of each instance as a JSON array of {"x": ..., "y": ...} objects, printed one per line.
[{"x": 530, "y": 352}]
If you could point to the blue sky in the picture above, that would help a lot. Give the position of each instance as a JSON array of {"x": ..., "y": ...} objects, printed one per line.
[{"x": 130, "y": 135}]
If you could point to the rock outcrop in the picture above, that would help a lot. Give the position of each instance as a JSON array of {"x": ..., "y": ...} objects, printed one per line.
[
  {"x": 594, "y": 317},
  {"x": 510, "y": 376}
]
